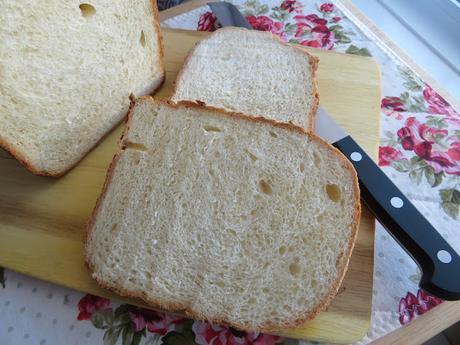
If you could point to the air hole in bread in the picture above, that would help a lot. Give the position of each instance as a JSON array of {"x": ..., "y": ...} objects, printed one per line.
[
  {"x": 219, "y": 283},
  {"x": 254, "y": 212},
  {"x": 294, "y": 268},
  {"x": 232, "y": 232},
  {"x": 302, "y": 167},
  {"x": 291, "y": 249},
  {"x": 252, "y": 300},
  {"x": 287, "y": 307},
  {"x": 282, "y": 250},
  {"x": 333, "y": 192},
  {"x": 252, "y": 156},
  {"x": 265, "y": 187},
  {"x": 316, "y": 160},
  {"x": 212, "y": 129},
  {"x": 114, "y": 227},
  {"x": 135, "y": 146},
  {"x": 87, "y": 10},
  {"x": 314, "y": 283},
  {"x": 273, "y": 134},
  {"x": 142, "y": 39},
  {"x": 265, "y": 290}
]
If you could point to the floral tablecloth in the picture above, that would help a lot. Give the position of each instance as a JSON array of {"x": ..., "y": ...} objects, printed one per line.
[{"x": 419, "y": 150}]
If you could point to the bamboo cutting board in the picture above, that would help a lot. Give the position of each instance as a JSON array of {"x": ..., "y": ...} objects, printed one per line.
[{"x": 42, "y": 220}]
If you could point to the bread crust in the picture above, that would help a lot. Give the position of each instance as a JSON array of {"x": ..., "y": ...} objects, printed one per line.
[
  {"x": 313, "y": 61},
  {"x": 186, "y": 309},
  {"x": 156, "y": 23},
  {"x": 21, "y": 156}
]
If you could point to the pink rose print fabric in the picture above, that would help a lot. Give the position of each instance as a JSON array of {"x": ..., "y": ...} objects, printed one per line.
[
  {"x": 424, "y": 141},
  {"x": 155, "y": 322},
  {"x": 208, "y": 22},
  {"x": 90, "y": 304},
  {"x": 411, "y": 306},
  {"x": 132, "y": 324},
  {"x": 318, "y": 30},
  {"x": 208, "y": 334},
  {"x": 264, "y": 23}
]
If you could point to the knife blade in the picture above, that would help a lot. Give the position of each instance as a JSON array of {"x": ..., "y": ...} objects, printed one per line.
[
  {"x": 228, "y": 15},
  {"x": 438, "y": 261}
]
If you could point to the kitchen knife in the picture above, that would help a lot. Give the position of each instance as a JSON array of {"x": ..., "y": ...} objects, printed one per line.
[
  {"x": 439, "y": 263},
  {"x": 228, "y": 15}
]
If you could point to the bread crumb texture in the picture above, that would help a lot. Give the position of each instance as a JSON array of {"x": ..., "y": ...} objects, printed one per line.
[
  {"x": 67, "y": 69},
  {"x": 251, "y": 72},
  {"x": 230, "y": 220}
]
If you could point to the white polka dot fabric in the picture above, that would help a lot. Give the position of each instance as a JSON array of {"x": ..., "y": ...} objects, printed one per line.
[{"x": 40, "y": 313}]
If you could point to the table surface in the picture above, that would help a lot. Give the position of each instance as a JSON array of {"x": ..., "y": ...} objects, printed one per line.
[{"x": 41, "y": 313}]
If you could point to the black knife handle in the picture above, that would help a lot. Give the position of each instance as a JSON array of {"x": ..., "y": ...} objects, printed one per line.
[{"x": 439, "y": 262}]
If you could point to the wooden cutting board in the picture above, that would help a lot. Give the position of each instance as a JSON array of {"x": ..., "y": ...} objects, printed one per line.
[{"x": 42, "y": 220}]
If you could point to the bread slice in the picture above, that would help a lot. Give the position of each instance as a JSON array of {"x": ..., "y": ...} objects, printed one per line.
[
  {"x": 67, "y": 69},
  {"x": 252, "y": 72},
  {"x": 237, "y": 220}
]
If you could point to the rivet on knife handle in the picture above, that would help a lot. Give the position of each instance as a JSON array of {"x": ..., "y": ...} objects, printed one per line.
[{"x": 439, "y": 262}]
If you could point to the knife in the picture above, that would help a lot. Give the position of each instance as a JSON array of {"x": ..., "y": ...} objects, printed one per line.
[
  {"x": 438, "y": 261},
  {"x": 229, "y": 15}
]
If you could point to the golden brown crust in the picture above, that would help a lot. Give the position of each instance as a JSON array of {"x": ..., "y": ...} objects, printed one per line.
[
  {"x": 313, "y": 61},
  {"x": 268, "y": 326},
  {"x": 21, "y": 156},
  {"x": 156, "y": 23}
]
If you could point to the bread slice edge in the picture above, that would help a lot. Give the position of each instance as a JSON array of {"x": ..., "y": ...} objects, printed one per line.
[
  {"x": 184, "y": 309},
  {"x": 22, "y": 156},
  {"x": 314, "y": 62}
]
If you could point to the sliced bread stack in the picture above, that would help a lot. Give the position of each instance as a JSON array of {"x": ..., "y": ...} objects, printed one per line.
[
  {"x": 224, "y": 217},
  {"x": 252, "y": 72},
  {"x": 67, "y": 70}
]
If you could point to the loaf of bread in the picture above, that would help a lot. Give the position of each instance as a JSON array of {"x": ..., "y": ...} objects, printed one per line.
[
  {"x": 252, "y": 72},
  {"x": 224, "y": 217},
  {"x": 67, "y": 70}
]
